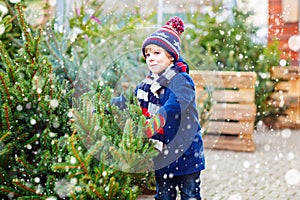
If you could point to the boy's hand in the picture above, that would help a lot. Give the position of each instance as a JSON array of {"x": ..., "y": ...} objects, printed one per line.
[{"x": 153, "y": 125}]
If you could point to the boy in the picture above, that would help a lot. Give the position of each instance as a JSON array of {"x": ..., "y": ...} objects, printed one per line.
[{"x": 167, "y": 98}]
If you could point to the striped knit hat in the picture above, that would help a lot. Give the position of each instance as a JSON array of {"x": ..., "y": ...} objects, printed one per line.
[{"x": 167, "y": 37}]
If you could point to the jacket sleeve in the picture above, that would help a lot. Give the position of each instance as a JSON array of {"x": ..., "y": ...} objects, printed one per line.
[{"x": 181, "y": 95}]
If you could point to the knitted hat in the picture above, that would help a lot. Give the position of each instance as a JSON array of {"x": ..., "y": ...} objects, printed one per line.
[{"x": 167, "y": 37}]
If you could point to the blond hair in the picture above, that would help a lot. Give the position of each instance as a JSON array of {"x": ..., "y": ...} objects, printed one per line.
[{"x": 153, "y": 47}]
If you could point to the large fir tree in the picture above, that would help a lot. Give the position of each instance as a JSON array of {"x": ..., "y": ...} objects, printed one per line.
[
  {"x": 44, "y": 149},
  {"x": 33, "y": 116}
]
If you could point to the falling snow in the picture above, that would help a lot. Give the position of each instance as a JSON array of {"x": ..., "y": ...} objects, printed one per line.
[
  {"x": 286, "y": 133},
  {"x": 51, "y": 198},
  {"x": 19, "y": 108},
  {"x": 73, "y": 160},
  {"x": 235, "y": 197},
  {"x": 70, "y": 114},
  {"x": 37, "y": 179},
  {"x": 14, "y": 1},
  {"x": 63, "y": 187},
  {"x": 54, "y": 103},
  {"x": 292, "y": 177},
  {"x": 39, "y": 90},
  {"x": 52, "y": 2},
  {"x": 51, "y": 134},
  {"x": 2, "y": 29},
  {"x": 55, "y": 124},
  {"x": 32, "y": 121},
  {"x": 28, "y": 146},
  {"x": 272, "y": 168}
]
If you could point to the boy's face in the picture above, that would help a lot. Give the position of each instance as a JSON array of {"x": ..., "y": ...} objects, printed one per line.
[{"x": 157, "y": 58}]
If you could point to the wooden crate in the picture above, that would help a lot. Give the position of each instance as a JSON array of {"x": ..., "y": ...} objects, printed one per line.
[
  {"x": 232, "y": 115},
  {"x": 286, "y": 94}
]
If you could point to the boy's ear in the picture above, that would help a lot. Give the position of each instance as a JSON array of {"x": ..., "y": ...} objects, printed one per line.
[{"x": 170, "y": 57}]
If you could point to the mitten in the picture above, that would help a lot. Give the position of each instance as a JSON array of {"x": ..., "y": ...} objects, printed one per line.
[
  {"x": 154, "y": 125},
  {"x": 119, "y": 101}
]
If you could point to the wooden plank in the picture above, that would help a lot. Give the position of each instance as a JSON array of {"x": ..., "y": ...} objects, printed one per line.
[
  {"x": 280, "y": 99},
  {"x": 238, "y": 112},
  {"x": 232, "y": 128},
  {"x": 294, "y": 89},
  {"x": 293, "y": 102},
  {"x": 285, "y": 73},
  {"x": 293, "y": 114},
  {"x": 221, "y": 79},
  {"x": 283, "y": 122},
  {"x": 234, "y": 96},
  {"x": 228, "y": 143},
  {"x": 290, "y": 118},
  {"x": 282, "y": 86},
  {"x": 230, "y": 96},
  {"x": 279, "y": 96}
]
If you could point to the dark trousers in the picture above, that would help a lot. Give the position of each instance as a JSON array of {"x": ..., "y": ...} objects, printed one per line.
[{"x": 188, "y": 185}]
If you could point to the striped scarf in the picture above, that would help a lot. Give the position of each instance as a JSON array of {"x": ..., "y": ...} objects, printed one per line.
[{"x": 148, "y": 90}]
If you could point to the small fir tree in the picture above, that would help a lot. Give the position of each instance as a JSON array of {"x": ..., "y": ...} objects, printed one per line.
[{"x": 108, "y": 154}]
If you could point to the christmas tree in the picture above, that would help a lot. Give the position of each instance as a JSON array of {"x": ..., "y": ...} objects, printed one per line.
[
  {"x": 53, "y": 147},
  {"x": 34, "y": 115},
  {"x": 108, "y": 155}
]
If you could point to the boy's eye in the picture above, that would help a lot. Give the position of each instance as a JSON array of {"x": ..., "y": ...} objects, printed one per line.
[
  {"x": 147, "y": 54},
  {"x": 157, "y": 52}
]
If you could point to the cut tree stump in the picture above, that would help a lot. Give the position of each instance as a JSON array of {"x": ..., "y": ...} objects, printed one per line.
[{"x": 230, "y": 125}]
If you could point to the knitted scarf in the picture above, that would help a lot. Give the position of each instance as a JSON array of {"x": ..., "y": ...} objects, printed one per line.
[{"x": 148, "y": 90}]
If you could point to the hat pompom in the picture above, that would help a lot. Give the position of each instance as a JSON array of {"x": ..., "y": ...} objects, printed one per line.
[{"x": 177, "y": 24}]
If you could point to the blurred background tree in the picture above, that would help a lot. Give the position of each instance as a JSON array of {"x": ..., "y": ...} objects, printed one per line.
[{"x": 229, "y": 45}]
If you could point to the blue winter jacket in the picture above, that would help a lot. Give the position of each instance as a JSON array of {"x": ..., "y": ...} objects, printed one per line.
[{"x": 183, "y": 152}]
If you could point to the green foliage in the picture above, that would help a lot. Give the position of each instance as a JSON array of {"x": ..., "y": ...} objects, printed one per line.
[
  {"x": 40, "y": 157},
  {"x": 34, "y": 109},
  {"x": 108, "y": 154},
  {"x": 87, "y": 178},
  {"x": 11, "y": 35},
  {"x": 229, "y": 45},
  {"x": 65, "y": 65},
  {"x": 265, "y": 86},
  {"x": 125, "y": 144},
  {"x": 204, "y": 103},
  {"x": 99, "y": 38}
]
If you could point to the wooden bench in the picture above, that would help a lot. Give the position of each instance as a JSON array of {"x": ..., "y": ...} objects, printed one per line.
[
  {"x": 286, "y": 94},
  {"x": 230, "y": 125}
]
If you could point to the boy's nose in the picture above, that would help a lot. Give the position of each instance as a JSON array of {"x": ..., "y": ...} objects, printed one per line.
[{"x": 150, "y": 57}]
